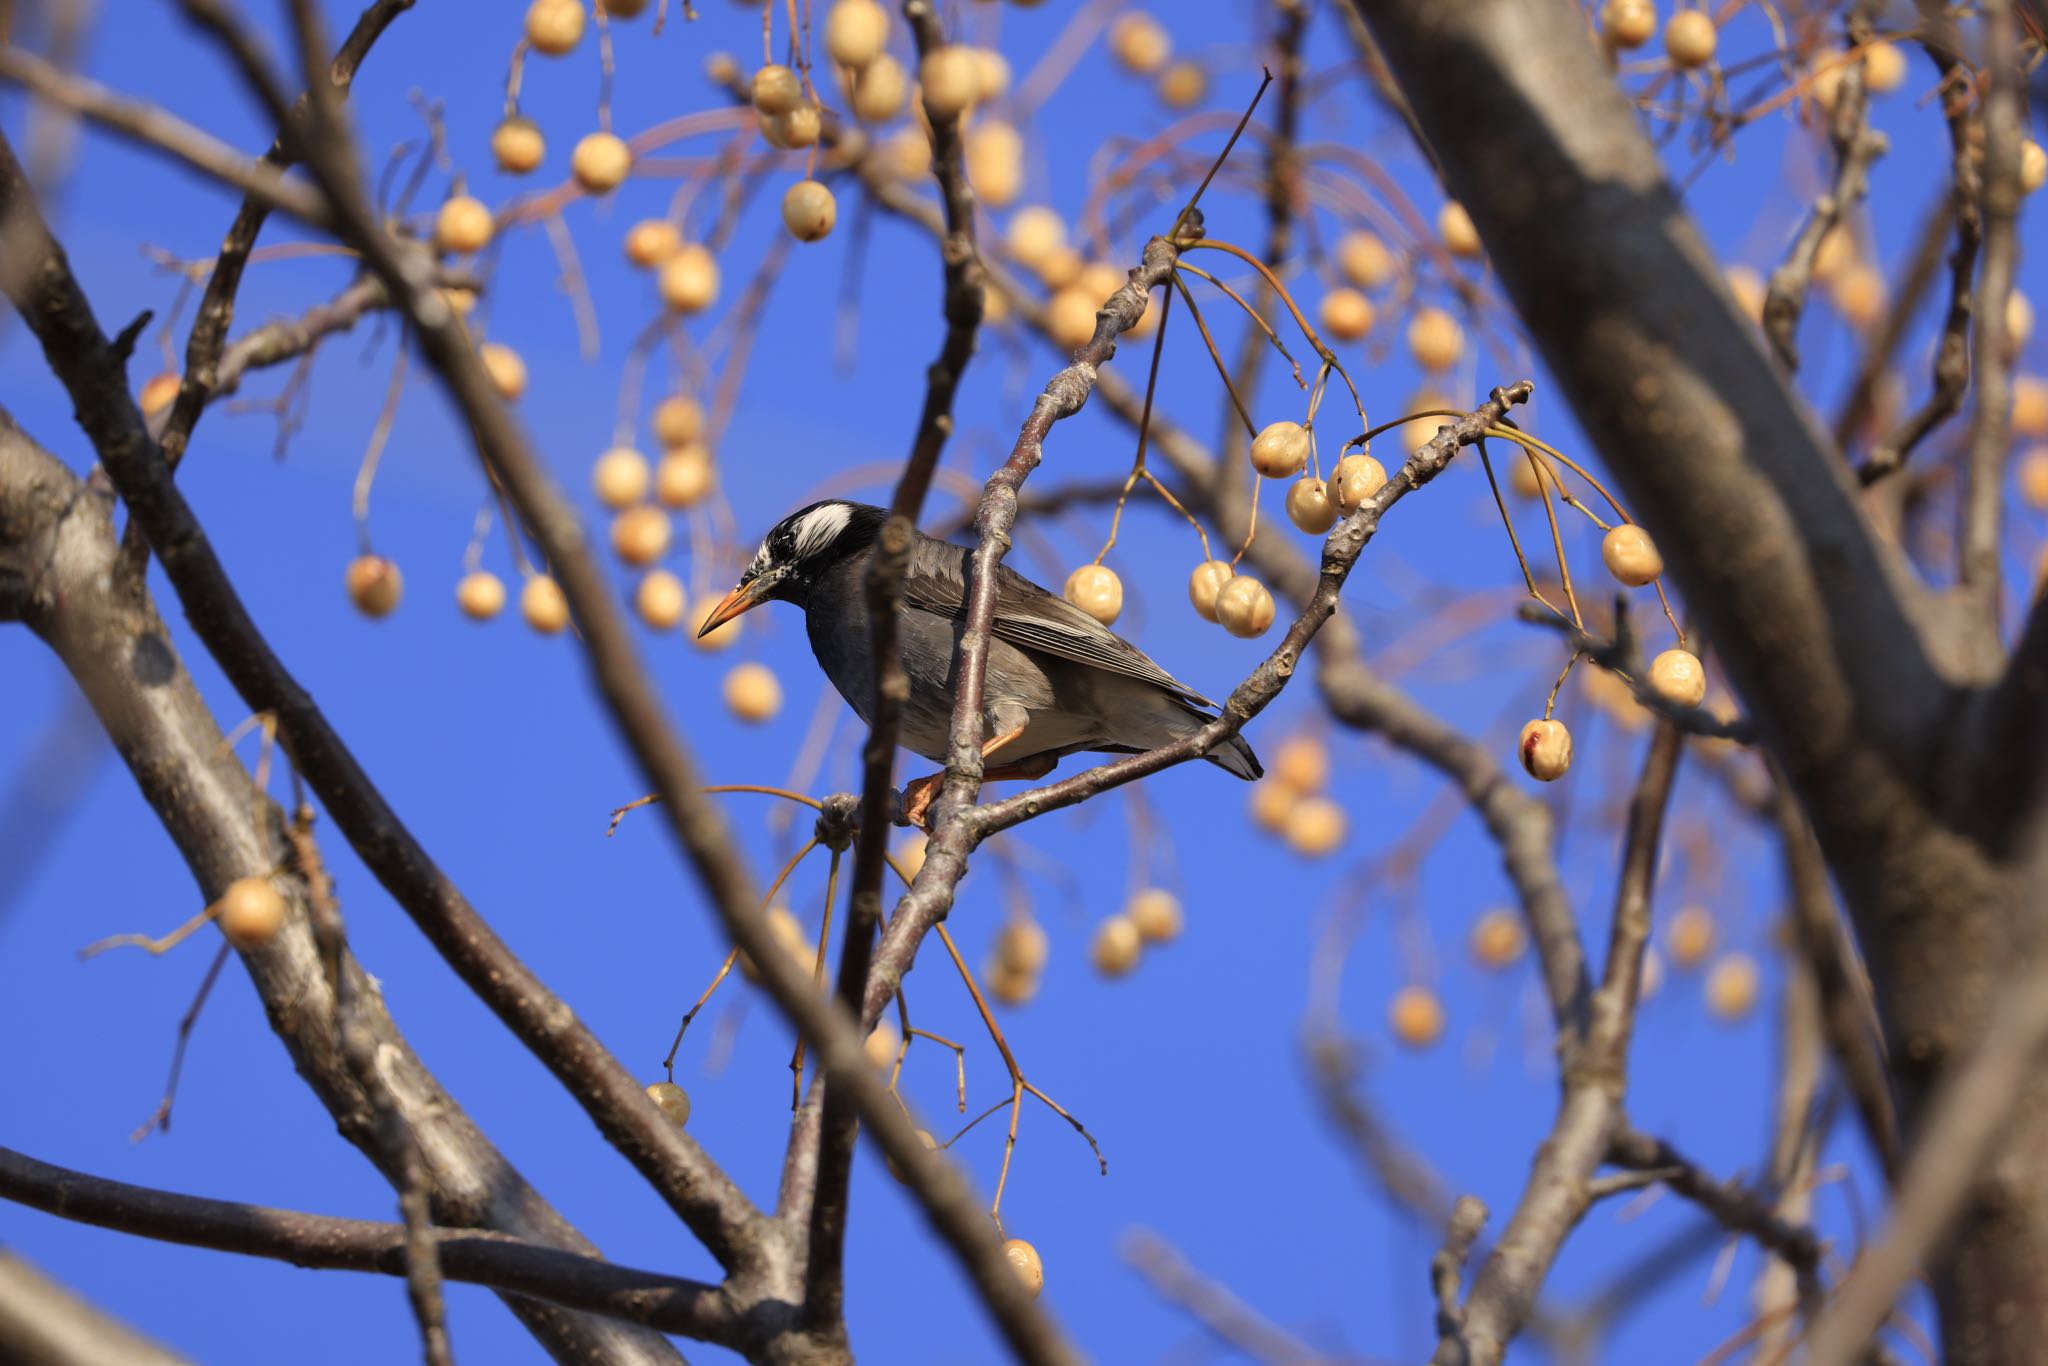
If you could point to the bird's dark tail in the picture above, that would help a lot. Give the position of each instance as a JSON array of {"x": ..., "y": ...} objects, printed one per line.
[{"x": 1235, "y": 756}]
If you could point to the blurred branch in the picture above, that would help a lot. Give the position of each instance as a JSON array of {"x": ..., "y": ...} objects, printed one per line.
[
  {"x": 44, "y": 1324},
  {"x": 1233, "y": 1323}
]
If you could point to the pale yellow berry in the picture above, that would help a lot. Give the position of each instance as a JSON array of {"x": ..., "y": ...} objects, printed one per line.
[
  {"x": 1690, "y": 39},
  {"x": 923, "y": 1137},
  {"x": 1858, "y": 294},
  {"x": 158, "y": 393},
  {"x": 1454, "y": 226},
  {"x": 1652, "y": 980},
  {"x": 753, "y": 692},
  {"x": 2029, "y": 405},
  {"x": 1061, "y": 267},
  {"x": 480, "y": 594},
  {"x": 542, "y": 604},
  {"x": 1346, "y": 314},
  {"x": 856, "y": 32},
  {"x": 1630, "y": 555},
  {"x": 911, "y": 852},
  {"x": 2033, "y": 166},
  {"x": 1034, "y": 234},
  {"x": 949, "y": 76},
  {"x": 672, "y": 1101},
  {"x": 1364, "y": 260},
  {"x": 787, "y": 934},
  {"x": 809, "y": 210},
  {"x": 2033, "y": 477},
  {"x": 1678, "y": 676},
  {"x": 678, "y": 420},
  {"x": 1157, "y": 914},
  {"x": 685, "y": 476},
  {"x": 1139, "y": 43},
  {"x": 1527, "y": 477},
  {"x": 518, "y": 145},
  {"x": 883, "y": 1044},
  {"x": 553, "y": 27},
  {"x": 1280, "y": 450},
  {"x": 1070, "y": 317},
  {"x": 1748, "y": 288},
  {"x": 600, "y": 162},
  {"x": 1244, "y": 607},
  {"x": 1315, "y": 827},
  {"x": 641, "y": 535},
  {"x": 1359, "y": 477},
  {"x": 1498, "y": 938},
  {"x": 374, "y": 585},
  {"x": 878, "y": 95},
  {"x": 651, "y": 241},
  {"x": 463, "y": 225},
  {"x": 1024, "y": 1261},
  {"x": 1272, "y": 802},
  {"x": 2019, "y": 319},
  {"x": 620, "y": 477},
  {"x": 1420, "y": 431},
  {"x": 1205, "y": 584},
  {"x": 1302, "y": 763},
  {"x": 1022, "y": 946},
  {"x": 775, "y": 90},
  {"x": 1010, "y": 988},
  {"x": 1183, "y": 85},
  {"x": 801, "y": 126},
  {"x": 660, "y": 600},
  {"x": 1435, "y": 339},
  {"x": 1416, "y": 1017},
  {"x": 1884, "y": 67},
  {"x": 1116, "y": 946},
  {"x": 1310, "y": 506},
  {"x": 1628, "y": 24},
  {"x": 1546, "y": 750},
  {"x": 1732, "y": 985},
  {"x": 995, "y": 163},
  {"x": 251, "y": 912},
  {"x": 1691, "y": 936},
  {"x": 506, "y": 370},
  {"x": 1096, "y": 590},
  {"x": 689, "y": 279},
  {"x": 991, "y": 74},
  {"x": 1835, "y": 252},
  {"x": 727, "y": 634}
]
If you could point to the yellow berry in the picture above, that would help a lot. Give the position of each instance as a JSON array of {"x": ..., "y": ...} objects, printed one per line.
[
  {"x": 506, "y": 369},
  {"x": 1346, "y": 314},
  {"x": 1096, "y": 590},
  {"x": 2033, "y": 474},
  {"x": 1070, "y": 317},
  {"x": 554, "y": 26},
  {"x": 1546, "y": 750},
  {"x": 809, "y": 210},
  {"x": 1630, "y": 555},
  {"x": 1116, "y": 946},
  {"x": 1364, "y": 260},
  {"x": 2029, "y": 405},
  {"x": 1454, "y": 225},
  {"x": 1034, "y": 234},
  {"x": 1858, "y": 294},
  {"x": 542, "y": 604},
  {"x": 689, "y": 279},
  {"x": 995, "y": 162},
  {"x": 1498, "y": 938},
  {"x": 1205, "y": 585},
  {"x": 620, "y": 477},
  {"x": 1435, "y": 339},
  {"x": 660, "y": 600},
  {"x": 1022, "y": 946},
  {"x": 1416, "y": 1017},
  {"x": 1183, "y": 85},
  {"x": 878, "y": 94},
  {"x": 1315, "y": 827},
  {"x": 641, "y": 534},
  {"x": 883, "y": 1044},
  {"x": 159, "y": 393},
  {"x": 374, "y": 585},
  {"x": 1732, "y": 987},
  {"x": 800, "y": 126},
  {"x": 1157, "y": 914},
  {"x": 1691, "y": 936},
  {"x": 678, "y": 420},
  {"x": 1359, "y": 477},
  {"x": 1139, "y": 43},
  {"x": 685, "y": 476},
  {"x": 1024, "y": 1261},
  {"x": 1836, "y": 251},
  {"x": 911, "y": 853},
  {"x": 672, "y": 1100},
  {"x": 2019, "y": 319},
  {"x": 1244, "y": 607},
  {"x": 463, "y": 225},
  {"x": 1302, "y": 763},
  {"x": 1628, "y": 23},
  {"x": 480, "y": 594},
  {"x": 2033, "y": 166},
  {"x": 600, "y": 162},
  {"x": 1310, "y": 506},
  {"x": 991, "y": 74},
  {"x": 950, "y": 77},
  {"x": 1280, "y": 450},
  {"x": 775, "y": 90},
  {"x": 753, "y": 692},
  {"x": 1010, "y": 988},
  {"x": 856, "y": 32},
  {"x": 518, "y": 145},
  {"x": 651, "y": 241},
  {"x": 1272, "y": 803},
  {"x": 1678, "y": 676},
  {"x": 1884, "y": 67},
  {"x": 251, "y": 912},
  {"x": 1690, "y": 39}
]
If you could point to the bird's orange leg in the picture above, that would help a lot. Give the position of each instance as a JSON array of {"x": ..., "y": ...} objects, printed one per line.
[{"x": 919, "y": 793}]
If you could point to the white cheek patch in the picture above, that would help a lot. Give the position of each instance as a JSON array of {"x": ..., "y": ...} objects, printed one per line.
[{"x": 819, "y": 528}]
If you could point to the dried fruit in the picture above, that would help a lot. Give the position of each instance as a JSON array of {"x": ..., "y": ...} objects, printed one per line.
[
  {"x": 251, "y": 912},
  {"x": 1691, "y": 936},
  {"x": 640, "y": 535},
  {"x": 1689, "y": 39},
  {"x": 1364, "y": 260},
  {"x": 1498, "y": 938},
  {"x": 1630, "y": 555},
  {"x": 1546, "y": 750},
  {"x": 1157, "y": 914},
  {"x": 883, "y": 1044},
  {"x": 651, "y": 241},
  {"x": 1359, "y": 477},
  {"x": 1244, "y": 607},
  {"x": 1310, "y": 506},
  {"x": 685, "y": 476},
  {"x": 1435, "y": 339},
  {"x": 620, "y": 477},
  {"x": 1280, "y": 450},
  {"x": 1010, "y": 988},
  {"x": 1139, "y": 43},
  {"x": 463, "y": 225},
  {"x": 158, "y": 393},
  {"x": 1315, "y": 827},
  {"x": 1025, "y": 1262},
  {"x": 995, "y": 162},
  {"x": 1183, "y": 85},
  {"x": 480, "y": 594},
  {"x": 1272, "y": 802},
  {"x": 518, "y": 145},
  {"x": 2033, "y": 166},
  {"x": 1022, "y": 946},
  {"x": 506, "y": 369},
  {"x": 991, "y": 74},
  {"x": 1416, "y": 1016},
  {"x": 878, "y": 94},
  {"x": 802, "y": 126},
  {"x": 2029, "y": 405},
  {"x": 775, "y": 90},
  {"x": 1070, "y": 317},
  {"x": 1302, "y": 763},
  {"x": 1116, "y": 946},
  {"x": 1346, "y": 314},
  {"x": 1858, "y": 294},
  {"x": 374, "y": 585},
  {"x": 672, "y": 1100},
  {"x": 660, "y": 600},
  {"x": 2033, "y": 477},
  {"x": 1884, "y": 67},
  {"x": 678, "y": 420},
  {"x": 553, "y": 27},
  {"x": 542, "y": 604},
  {"x": 809, "y": 210},
  {"x": 753, "y": 692},
  {"x": 1205, "y": 585},
  {"x": 600, "y": 162},
  {"x": 911, "y": 853},
  {"x": 1034, "y": 234},
  {"x": 1678, "y": 676},
  {"x": 1628, "y": 23},
  {"x": 689, "y": 279},
  {"x": 1096, "y": 590}
]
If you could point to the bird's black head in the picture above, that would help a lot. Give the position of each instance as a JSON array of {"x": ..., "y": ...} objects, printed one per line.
[{"x": 797, "y": 552}]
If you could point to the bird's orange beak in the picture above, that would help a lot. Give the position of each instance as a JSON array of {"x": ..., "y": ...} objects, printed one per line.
[{"x": 744, "y": 598}]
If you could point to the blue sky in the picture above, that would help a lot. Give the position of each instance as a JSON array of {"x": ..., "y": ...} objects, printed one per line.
[{"x": 489, "y": 742}]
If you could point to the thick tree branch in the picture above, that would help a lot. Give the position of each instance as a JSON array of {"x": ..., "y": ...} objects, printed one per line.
[{"x": 43, "y": 1323}]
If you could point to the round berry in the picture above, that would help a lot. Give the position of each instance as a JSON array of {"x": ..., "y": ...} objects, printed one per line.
[
  {"x": 1157, "y": 914},
  {"x": 158, "y": 393},
  {"x": 518, "y": 145},
  {"x": 1272, "y": 802},
  {"x": 1280, "y": 450},
  {"x": 1416, "y": 1017},
  {"x": 1691, "y": 936},
  {"x": 1732, "y": 987},
  {"x": 753, "y": 693},
  {"x": 1359, "y": 477},
  {"x": 883, "y": 1044},
  {"x": 505, "y": 368},
  {"x": 480, "y": 594},
  {"x": 802, "y": 126},
  {"x": 1345, "y": 314},
  {"x": 1884, "y": 67},
  {"x": 463, "y": 225},
  {"x": 660, "y": 600},
  {"x": 1183, "y": 85},
  {"x": 1628, "y": 24},
  {"x": 776, "y": 90},
  {"x": 600, "y": 162},
  {"x": 251, "y": 912},
  {"x": 1689, "y": 39},
  {"x": 1139, "y": 44},
  {"x": 1858, "y": 294},
  {"x": 2033, "y": 476},
  {"x": 678, "y": 420},
  {"x": 1025, "y": 1262},
  {"x": 651, "y": 241},
  {"x": 1454, "y": 225},
  {"x": 1034, "y": 234},
  {"x": 542, "y": 604},
  {"x": 1310, "y": 506},
  {"x": 685, "y": 476},
  {"x": 1678, "y": 676},
  {"x": 950, "y": 77},
  {"x": 1630, "y": 555},
  {"x": 641, "y": 534},
  {"x": 374, "y": 585},
  {"x": 1546, "y": 750},
  {"x": 620, "y": 477},
  {"x": 2029, "y": 405},
  {"x": 991, "y": 74},
  {"x": 1116, "y": 946},
  {"x": 809, "y": 210},
  {"x": 1022, "y": 946},
  {"x": 2033, "y": 166},
  {"x": 689, "y": 279},
  {"x": 1748, "y": 288},
  {"x": 1364, "y": 260},
  {"x": 1315, "y": 827},
  {"x": 1010, "y": 988},
  {"x": 1096, "y": 590},
  {"x": 995, "y": 163},
  {"x": 878, "y": 94},
  {"x": 1070, "y": 317},
  {"x": 1435, "y": 339},
  {"x": 1205, "y": 585},
  {"x": 553, "y": 27},
  {"x": 1498, "y": 938},
  {"x": 856, "y": 32},
  {"x": 1302, "y": 763},
  {"x": 1244, "y": 607},
  {"x": 672, "y": 1100}
]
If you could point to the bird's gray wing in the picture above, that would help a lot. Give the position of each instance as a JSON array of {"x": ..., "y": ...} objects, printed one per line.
[{"x": 1030, "y": 618}]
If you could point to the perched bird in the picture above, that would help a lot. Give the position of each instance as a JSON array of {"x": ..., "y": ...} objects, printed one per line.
[{"x": 1058, "y": 680}]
